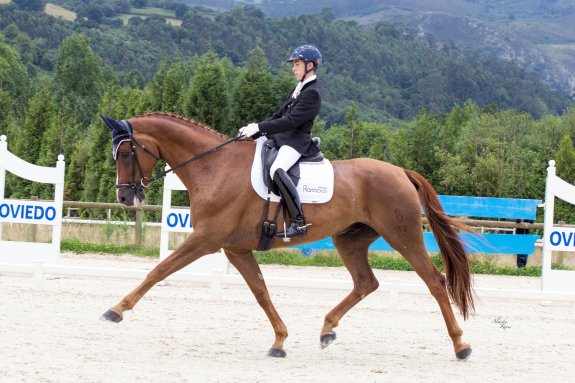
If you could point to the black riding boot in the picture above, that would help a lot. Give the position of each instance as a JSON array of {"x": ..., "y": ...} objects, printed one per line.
[{"x": 290, "y": 195}]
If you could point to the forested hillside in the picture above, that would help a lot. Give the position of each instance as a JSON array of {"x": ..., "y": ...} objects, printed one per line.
[
  {"x": 538, "y": 35},
  {"x": 472, "y": 126},
  {"x": 385, "y": 70}
]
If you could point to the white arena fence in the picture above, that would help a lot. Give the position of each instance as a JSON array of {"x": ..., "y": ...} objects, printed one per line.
[
  {"x": 31, "y": 212},
  {"x": 557, "y": 238}
]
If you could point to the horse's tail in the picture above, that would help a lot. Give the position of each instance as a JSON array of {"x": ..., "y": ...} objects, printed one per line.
[{"x": 455, "y": 259}]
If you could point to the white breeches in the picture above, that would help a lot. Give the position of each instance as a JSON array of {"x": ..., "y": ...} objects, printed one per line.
[{"x": 287, "y": 157}]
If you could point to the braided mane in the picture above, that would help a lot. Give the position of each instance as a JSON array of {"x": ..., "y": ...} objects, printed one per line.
[{"x": 188, "y": 121}]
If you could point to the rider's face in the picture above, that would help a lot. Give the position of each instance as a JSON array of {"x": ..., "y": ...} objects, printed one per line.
[{"x": 298, "y": 69}]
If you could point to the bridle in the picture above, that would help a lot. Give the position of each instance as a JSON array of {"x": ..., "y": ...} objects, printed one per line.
[{"x": 140, "y": 187}]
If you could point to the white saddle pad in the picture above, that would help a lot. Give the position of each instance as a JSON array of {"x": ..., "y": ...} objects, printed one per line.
[{"x": 315, "y": 184}]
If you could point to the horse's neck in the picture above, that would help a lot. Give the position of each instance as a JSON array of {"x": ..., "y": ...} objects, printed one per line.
[{"x": 179, "y": 142}]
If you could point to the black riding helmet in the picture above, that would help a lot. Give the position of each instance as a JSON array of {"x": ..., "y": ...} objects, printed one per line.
[{"x": 306, "y": 53}]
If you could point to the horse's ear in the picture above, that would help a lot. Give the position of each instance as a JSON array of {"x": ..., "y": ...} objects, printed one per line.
[
  {"x": 110, "y": 122},
  {"x": 116, "y": 127}
]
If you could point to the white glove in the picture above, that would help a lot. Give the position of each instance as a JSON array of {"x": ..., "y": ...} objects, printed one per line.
[{"x": 249, "y": 130}]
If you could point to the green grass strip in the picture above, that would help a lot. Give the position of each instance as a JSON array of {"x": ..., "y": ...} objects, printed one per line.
[
  {"x": 324, "y": 258},
  {"x": 75, "y": 246},
  {"x": 382, "y": 262}
]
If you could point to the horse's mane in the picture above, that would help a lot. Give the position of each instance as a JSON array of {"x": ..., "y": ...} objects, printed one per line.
[{"x": 188, "y": 121}]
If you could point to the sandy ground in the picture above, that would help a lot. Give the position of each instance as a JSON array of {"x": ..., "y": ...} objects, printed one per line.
[{"x": 180, "y": 333}]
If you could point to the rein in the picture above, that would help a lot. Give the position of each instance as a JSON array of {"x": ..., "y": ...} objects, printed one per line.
[
  {"x": 181, "y": 164},
  {"x": 145, "y": 181}
]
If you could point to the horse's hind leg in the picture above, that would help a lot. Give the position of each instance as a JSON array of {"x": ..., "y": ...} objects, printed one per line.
[
  {"x": 417, "y": 256},
  {"x": 352, "y": 247},
  {"x": 246, "y": 264}
]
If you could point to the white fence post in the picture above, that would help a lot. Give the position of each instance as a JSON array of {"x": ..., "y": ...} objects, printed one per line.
[
  {"x": 31, "y": 212},
  {"x": 3, "y": 148},
  {"x": 556, "y": 238}
]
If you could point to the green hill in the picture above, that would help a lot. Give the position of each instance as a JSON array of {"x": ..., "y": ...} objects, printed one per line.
[
  {"x": 388, "y": 71},
  {"x": 538, "y": 35}
]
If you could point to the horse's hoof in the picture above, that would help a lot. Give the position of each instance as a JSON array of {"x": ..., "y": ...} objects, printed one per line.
[
  {"x": 111, "y": 316},
  {"x": 327, "y": 339},
  {"x": 276, "y": 353},
  {"x": 463, "y": 354}
]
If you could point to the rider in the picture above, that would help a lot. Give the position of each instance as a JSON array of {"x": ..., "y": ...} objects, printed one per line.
[{"x": 291, "y": 129}]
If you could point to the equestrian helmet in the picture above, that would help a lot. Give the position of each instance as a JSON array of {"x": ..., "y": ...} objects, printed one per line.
[{"x": 306, "y": 53}]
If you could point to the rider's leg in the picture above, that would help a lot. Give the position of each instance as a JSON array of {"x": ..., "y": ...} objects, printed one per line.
[{"x": 288, "y": 156}]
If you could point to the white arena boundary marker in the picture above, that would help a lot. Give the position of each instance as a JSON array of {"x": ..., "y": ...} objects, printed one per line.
[
  {"x": 176, "y": 220},
  {"x": 31, "y": 212},
  {"x": 557, "y": 238}
]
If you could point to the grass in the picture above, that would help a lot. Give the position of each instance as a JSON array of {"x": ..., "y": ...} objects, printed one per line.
[
  {"x": 293, "y": 257},
  {"x": 59, "y": 12},
  {"x": 75, "y": 246},
  {"x": 148, "y": 11},
  {"x": 383, "y": 262}
]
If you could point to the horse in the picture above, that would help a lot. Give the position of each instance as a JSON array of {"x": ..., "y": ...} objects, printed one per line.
[{"x": 371, "y": 198}]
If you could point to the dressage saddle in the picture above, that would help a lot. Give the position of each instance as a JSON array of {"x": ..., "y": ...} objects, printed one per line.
[{"x": 269, "y": 154}]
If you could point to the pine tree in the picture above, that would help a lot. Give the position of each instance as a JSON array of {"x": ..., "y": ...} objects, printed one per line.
[
  {"x": 39, "y": 117},
  {"x": 155, "y": 88},
  {"x": 207, "y": 97},
  {"x": 15, "y": 84},
  {"x": 78, "y": 80},
  {"x": 253, "y": 96},
  {"x": 174, "y": 87},
  {"x": 566, "y": 159},
  {"x": 30, "y": 5}
]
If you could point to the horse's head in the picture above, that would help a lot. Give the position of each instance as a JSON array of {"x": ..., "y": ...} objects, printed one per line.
[{"x": 134, "y": 162}]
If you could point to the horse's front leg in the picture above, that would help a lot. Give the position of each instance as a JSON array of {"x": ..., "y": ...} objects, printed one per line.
[
  {"x": 245, "y": 263},
  {"x": 194, "y": 247}
]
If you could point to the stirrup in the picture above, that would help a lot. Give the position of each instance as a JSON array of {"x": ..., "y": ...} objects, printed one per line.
[{"x": 293, "y": 231}]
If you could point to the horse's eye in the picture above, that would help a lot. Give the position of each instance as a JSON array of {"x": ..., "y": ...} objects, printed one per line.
[{"x": 124, "y": 155}]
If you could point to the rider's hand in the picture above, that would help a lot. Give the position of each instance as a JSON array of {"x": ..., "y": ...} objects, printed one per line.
[{"x": 249, "y": 130}]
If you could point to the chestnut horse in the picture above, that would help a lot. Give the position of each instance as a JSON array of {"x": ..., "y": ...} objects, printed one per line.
[{"x": 371, "y": 199}]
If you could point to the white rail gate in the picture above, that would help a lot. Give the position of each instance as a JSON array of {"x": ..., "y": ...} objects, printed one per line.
[
  {"x": 178, "y": 220},
  {"x": 28, "y": 211},
  {"x": 557, "y": 238}
]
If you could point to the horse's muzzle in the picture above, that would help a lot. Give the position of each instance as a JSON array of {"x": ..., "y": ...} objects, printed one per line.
[{"x": 130, "y": 196}]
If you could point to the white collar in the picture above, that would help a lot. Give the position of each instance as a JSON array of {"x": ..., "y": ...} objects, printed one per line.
[{"x": 300, "y": 85}]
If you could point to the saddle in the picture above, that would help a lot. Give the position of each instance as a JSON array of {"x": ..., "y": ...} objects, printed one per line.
[{"x": 270, "y": 153}]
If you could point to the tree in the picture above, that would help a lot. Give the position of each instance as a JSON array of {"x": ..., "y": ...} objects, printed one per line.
[
  {"x": 175, "y": 84},
  {"x": 253, "y": 96},
  {"x": 79, "y": 77},
  {"x": 566, "y": 159},
  {"x": 207, "y": 97},
  {"x": 15, "y": 84},
  {"x": 180, "y": 10},
  {"x": 371, "y": 140},
  {"x": 140, "y": 3},
  {"x": 39, "y": 118},
  {"x": 351, "y": 122},
  {"x": 30, "y": 5}
]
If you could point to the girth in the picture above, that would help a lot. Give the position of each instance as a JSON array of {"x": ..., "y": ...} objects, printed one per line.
[{"x": 269, "y": 154}]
